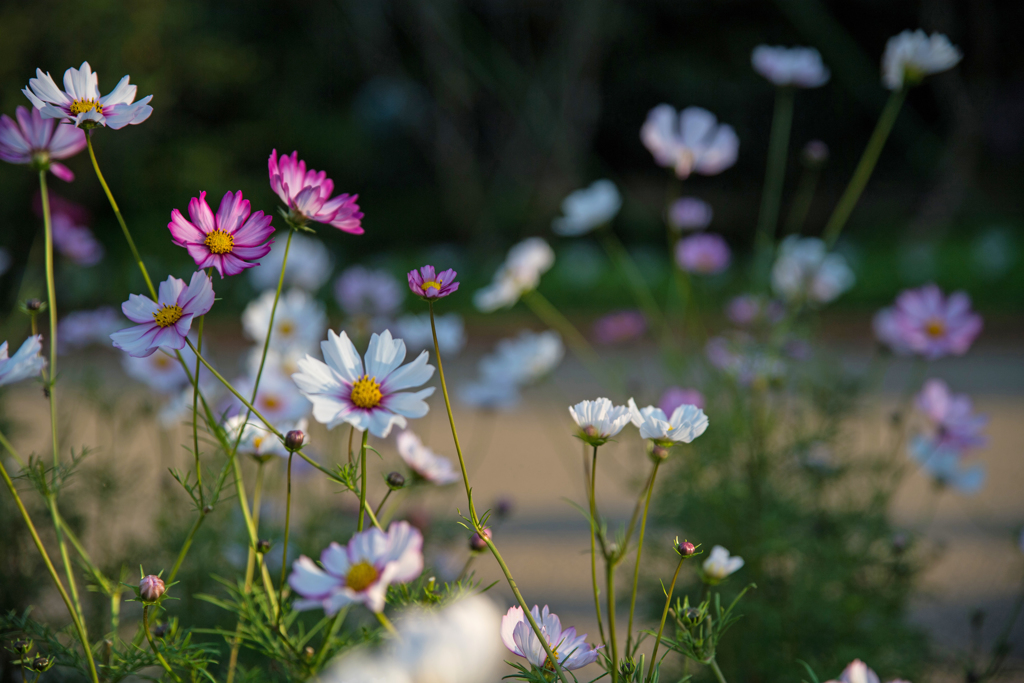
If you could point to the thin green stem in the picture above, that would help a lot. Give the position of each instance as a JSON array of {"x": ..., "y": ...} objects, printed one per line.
[
  {"x": 634, "y": 276},
  {"x": 639, "y": 553},
  {"x": 386, "y": 623},
  {"x": 195, "y": 417},
  {"x": 152, "y": 645},
  {"x": 120, "y": 218},
  {"x": 382, "y": 501},
  {"x": 864, "y": 168},
  {"x": 609, "y": 572},
  {"x": 802, "y": 199},
  {"x": 51, "y": 299},
  {"x": 333, "y": 631},
  {"x": 362, "y": 476},
  {"x": 593, "y": 542},
  {"x": 287, "y": 527},
  {"x": 664, "y": 616},
  {"x": 250, "y": 566},
  {"x": 718, "y": 672},
  {"x": 185, "y": 546},
  {"x": 234, "y": 391},
  {"x": 552, "y": 317},
  {"x": 775, "y": 174}
]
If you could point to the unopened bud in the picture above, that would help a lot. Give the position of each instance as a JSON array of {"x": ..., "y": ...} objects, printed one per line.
[
  {"x": 591, "y": 431},
  {"x": 899, "y": 543},
  {"x": 309, "y": 652},
  {"x": 22, "y": 645},
  {"x": 659, "y": 452},
  {"x": 160, "y": 630},
  {"x": 692, "y": 615},
  {"x": 151, "y": 588},
  {"x": 477, "y": 543},
  {"x": 686, "y": 549},
  {"x": 34, "y": 305},
  {"x": 262, "y": 546},
  {"x": 503, "y": 508},
  {"x": 627, "y": 668},
  {"x": 815, "y": 153},
  {"x": 395, "y": 481},
  {"x": 208, "y": 509},
  {"x": 294, "y": 439},
  {"x": 41, "y": 663}
]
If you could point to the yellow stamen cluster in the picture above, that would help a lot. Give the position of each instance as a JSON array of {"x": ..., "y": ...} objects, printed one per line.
[
  {"x": 168, "y": 315},
  {"x": 361, "y": 576},
  {"x": 82, "y": 106},
  {"x": 270, "y": 402},
  {"x": 431, "y": 283},
  {"x": 366, "y": 392},
  {"x": 286, "y": 328},
  {"x": 219, "y": 242},
  {"x": 935, "y": 327}
]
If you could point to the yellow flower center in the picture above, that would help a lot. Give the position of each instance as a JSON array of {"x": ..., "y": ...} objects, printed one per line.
[
  {"x": 270, "y": 402},
  {"x": 547, "y": 662},
  {"x": 257, "y": 441},
  {"x": 935, "y": 327},
  {"x": 219, "y": 242},
  {"x": 167, "y": 315},
  {"x": 161, "y": 361},
  {"x": 431, "y": 283},
  {"x": 361, "y": 576},
  {"x": 82, "y": 106},
  {"x": 366, "y": 392},
  {"x": 286, "y": 328}
]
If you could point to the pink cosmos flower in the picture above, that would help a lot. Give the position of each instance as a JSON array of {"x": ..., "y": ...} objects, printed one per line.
[
  {"x": 619, "y": 326},
  {"x": 690, "y": 213},
  {"x": 925, "y": 322},
  {"x": 571, "y": 651},
  {"x": 747, "y": 310},
  {"x": 677, "y": 396},
  {"x": 71, "y": 234},
  {"x": 427, "y": 284},
  {"x": 229, "y": 241},
  {"x": 165, "y": 322},
  {"x": 690, "y": 141},
  {"x": 38, "y": 141},
  {"x": 80, "y": 101},
  {"x": 308, "y": 195},
  {"x": 953, "y": 416},
  {"x": 705, "y": 254}
]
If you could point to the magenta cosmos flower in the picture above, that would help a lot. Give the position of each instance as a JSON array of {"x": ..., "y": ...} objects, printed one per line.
[
  {"x": 165, "y": 322},
  {"x": 427, "y": 284},
  {"x": 956, "y": 424},
  {"x": 620, "y": 326},
  {"x": 308, "y": 195},
  {"x": 229, "y": 241},
  {"x": 704, "y": 254},
  {"x": 80, "y": 101},
  {"x": 925, "y": 322},
  {"x": 38, "y": 141}
]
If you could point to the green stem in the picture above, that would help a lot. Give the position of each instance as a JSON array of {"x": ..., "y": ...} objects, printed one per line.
[
  {"x": 610, "y": 579},
  {"x": 335, "y": 625},
  {"x": 639, "y": 553},
  {"x": 51, "y": 298},
  {"x": 152, "y": 645},
  {"x": 186, "y": 545},
  {"x": 234, "y": 391},
  {"x": 775, "y": 174},
  {"x": 120, "y": 218},
  {"x": 287, "y": 527},
  {"x": 802, "y": 199},
  {"x": 362, "y": 485},
  {"x": 664, "y": 616},
  {"x": 864, "y": 168},
  {"x": 591, "y": 495},
  {"x": 618, "y": 253},
  {"x": 718, "y": 672},
  {"x": 386, "y": 623},
  {"x": 195, "y": 417},
  {"x": 552, "y": 317},
  {"x": 382, "y": 501}
]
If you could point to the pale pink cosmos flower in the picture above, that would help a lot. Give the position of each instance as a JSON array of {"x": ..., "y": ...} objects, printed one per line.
[
  {"x": 926, "y": 322},
  {"x": 307, "y": 194},
  {"x": 799, "y": 67},
  {"x": 747, "y": 310},
  {"x": 229, "y": 241},
  {"x": 952, "y": 415},
  {"x": 571, "y": 650},
  {"x": 71, "y": 234},
  {"x": 704, "y": 254},
  {"x": 80, "y": 101},
  {"x": 620, "y": 326},
  {"x": 36, "y": 140},
  {"x": 690, "y": 213},
  {"x": 859, "y": 672},
  {"x": 690, "y": 141},
  {"x": 678, "y": 396},
  {"x": 164, "y": 323},
  {"x": 425, "y": 463}
]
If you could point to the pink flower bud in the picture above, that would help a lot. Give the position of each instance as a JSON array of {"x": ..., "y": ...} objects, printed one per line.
[
  {"x": 151, "y": 588},
  {"x": 477, "y": 542},
  {"x": 293, "y": 440},
  {"x": 686, "y": 549}
]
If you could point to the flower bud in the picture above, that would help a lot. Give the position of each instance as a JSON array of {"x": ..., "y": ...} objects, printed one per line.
[
  {"x": 293, "y": 440},
  {"x": 151, "y": 588},
  {"x": 309, "y": 652},
  {"x": 208, "y": 509},
  {"x": 22, "y": 645},
  {"x": 659, "y": 452},
  {"x": 590, "y": 431},
  {"x": 160, "y": 630},
  {"x": 815, "y": 153},
  {"x": 692, "y": 615},
  {"x": 395, "y": 481},
  {"x": 503, "y": 508},
  {"x": 899, "y": 542},
  {"x": 34, "y": 305},
  {"x": 686, "y": 549},
  {"x": 262, "y": 546},
  {"x": 41, "y": 663},
  {"x": 477, "y": 543}
]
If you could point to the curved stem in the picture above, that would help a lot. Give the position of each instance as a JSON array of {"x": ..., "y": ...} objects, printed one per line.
[
  {"x": 386, "y": 623},
  {"x": 382, "y": 501},
  {"x": 718, "y": 672},
  {"x": 593, "y": 544},
  {"x": 195, "y": 417},
  {"x": 234, "y": 391},
  {"x": 335, "y": 625},
  {"x": 634, "y": 276},
  {"x": 152, "y": 645},
  {"x": 550, "y": 315},
  {"x": 362, "y": 475},
  {"x": 775, "y": 174},
  {"x": 864, "y": 168},
  {"x": 664, "y": 616},
  {"x": 610, "y": 579},
  {"x": 185, "y": 547},
  {"x": 287, "y": 526},
  {"x": 639, "y": 553},
  {"x": 802, "y": 199}
]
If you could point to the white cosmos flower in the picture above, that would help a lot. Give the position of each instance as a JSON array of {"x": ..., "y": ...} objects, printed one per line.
[
  {"x": 282, "y": 361},
  {"x": 523, "y": 359},
  {"x": 490, "y": 394},
  {"x": 178, "y": 407},
  {"x": 799, "y": 67},
  {"x": 427, "y": 464},
  {"x": 26, "y": 362},
  {"x": 415, "y": 330},
  {"x": 858, "y": 672},
  {"x": 805, "y": 271},
  {"x": 691, "y": 141},
  {"x": 366, "y": 396},
  {"x": 601, "y": 417},
  {"x": 80, "y": 100},
  {"x": 520, "y": 273},
  {"x": 277, "y": 399},
  {"x": 588, "y": 208},
  {"x": 686, "y": 424},
  {"x": 299, "y": 322},
  {"x": 309, "y": 265},
  {"x": 161, "y": 371},
  {"x": 257, "y": 440},
  {"x": 912, "y": 55},
  {"x": 719, "y": 564}
]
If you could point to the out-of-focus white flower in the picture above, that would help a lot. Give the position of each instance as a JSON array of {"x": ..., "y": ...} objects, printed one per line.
[
  {"x": 571, "y": 650},
  {"x": 282, "y": 361},
  {"x": 490, "y": 394},
  {"x": 690, "y": 141},
  {"x": 523, "y": 359},
  {"x": 299, "y": 321},
  {"x": 83, "y": 328},
  {"x": 520, "y": 273},
  {"x": 912, "y": 55},
  {"x": 799, "y": 67},
  {"x": 178, "y": 408},
  {"x": 588, "y": 208},
  {"x": 415, "y": 330},
  {"x": 161, "y": 371},
  {"x": 599, "y": 420},
  {"x": 945, "y": 464},
  {"x": 257, "y": 440},
  {"x": 686, "y": 424},
  {"x": 309, "y": 265},
  {"x": 428, "y": 465},
  {"x": 364, "y": 667},
  {"x": 719, "y": 564},
  {"x": 277, "y": 399},
  {"x": 26, "y": 362},
  {"x": 805, "y": 271},
  {"x": 857, "y": 672},
  {"x": 373, "y": 293}
]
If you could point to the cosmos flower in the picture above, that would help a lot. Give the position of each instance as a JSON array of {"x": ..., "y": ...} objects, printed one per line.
[
  {"x": 161, "y": 371},
  {"x": 307, "y": 194},
  {"x": 80, "y": 100},
  {"x": 415, "y": 330},
  {"x": 359, "y": 572},
  {"x": 704, "y": 254},
  {"x": 39, "y": 141},
  {"x": 258, "y": 441},
  {"x": 425, "y": 463},
  {"x": 799, "y": 67},
  {"x": 925, "y": 322},
  {"x": 309, "y": 265},
  {"x": 428, "y": 284},
  {"x": 804, "y": 271},
  {"x": 678, "y": 396},
  {"x": 742, "y": 359},
  {"x": 912, "y": 55},
  {"x": 487, "y": 394},
  {"x": 686, "y": 424},
  {"x": 571, "y": 651},
  {"x": 366, "y": 396},
  {"x": 619, "y": 326},
  {"x": 690, "y": 213},
  {"x": 520, "y": 273},
  {"x": 277, "y": 399},
  {"x": 299, "y": 321},
  {"x": 26, "y": 362},
  {"x": 749, "y": 310},
  {"x": 82, "y": 328},
  {"x": 720, "y": 565},
  {"x": 945, "y": 465},
  {"x": 690, "y": 141},
  {"x": 70, "y": 224},
  {"x": 952, "y": 415},
  {"x": 599, "y": 420},
  {"x": 165, "y": 322},
  {"x": 231, "y": 241},
  {"x": 284, "y": 361},
  {"x": 857, "y": 672},
  {"x": 523, "y": 359},
  {"x": 364, "y": 292},
  {"x": 588, "y": 208}
]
